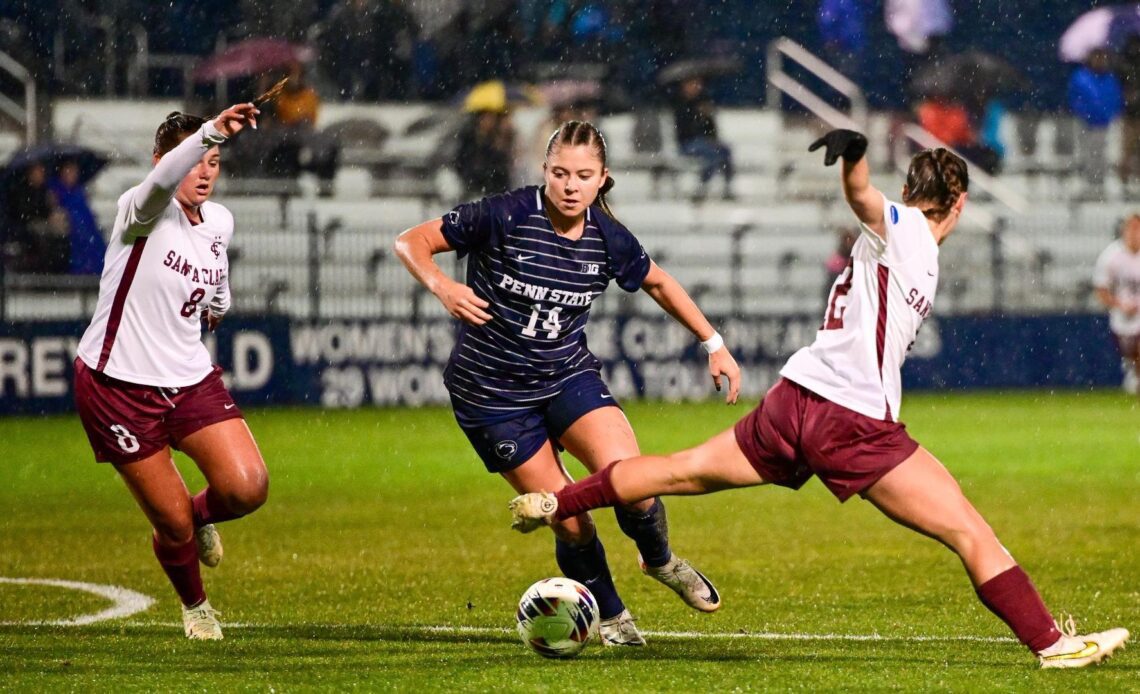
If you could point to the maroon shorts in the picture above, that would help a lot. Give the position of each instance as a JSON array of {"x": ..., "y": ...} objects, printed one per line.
[
  {"x": 126, "y": 422},
  {"x": 1129, "y": 346},
  {"x": 794, "y": 434}
]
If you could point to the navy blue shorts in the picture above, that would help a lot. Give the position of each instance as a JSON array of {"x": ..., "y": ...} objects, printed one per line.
[{"x": 505, "y": 445}]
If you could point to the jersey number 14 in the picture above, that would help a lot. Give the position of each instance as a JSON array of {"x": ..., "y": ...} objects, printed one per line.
[{"x": 551, "y": 325}]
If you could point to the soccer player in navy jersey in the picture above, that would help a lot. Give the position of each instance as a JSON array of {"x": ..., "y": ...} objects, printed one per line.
[
  {"x": 834, "y": 412},
  {"x": 144, "y": 382},
  {"x": 522, "y": 381}
]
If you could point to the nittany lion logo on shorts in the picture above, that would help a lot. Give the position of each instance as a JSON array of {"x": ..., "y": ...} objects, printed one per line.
[{"x": 506, "y": 449}]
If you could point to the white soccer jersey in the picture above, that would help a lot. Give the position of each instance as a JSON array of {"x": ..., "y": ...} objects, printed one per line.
[
  {"x": 873, "y": 314},
  {"x": 1118, "y": 270},
  {"x": 159, "y": 273}
]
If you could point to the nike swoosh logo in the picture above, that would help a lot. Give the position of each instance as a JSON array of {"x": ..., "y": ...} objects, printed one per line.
[
  {"x": 525, "y": 257},
  {"x": 1089, "y": 649},
  {"x": 930, "y": 273},
  {"x": 607, "y": 396},
  {"x": 229, "y": 406}
]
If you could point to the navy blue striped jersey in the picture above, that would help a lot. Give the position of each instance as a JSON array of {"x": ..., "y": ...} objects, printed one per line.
[{"x": 539, "y": 287}]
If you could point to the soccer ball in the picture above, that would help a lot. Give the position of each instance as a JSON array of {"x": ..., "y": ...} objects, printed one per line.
[{"x": 556, "y": 617}]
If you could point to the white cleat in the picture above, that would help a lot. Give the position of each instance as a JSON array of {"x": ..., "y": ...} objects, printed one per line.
[
  {"x": 529, "y": 512},
  {"x": 679, "y": 575},
  {"x": 209, "y": 545},
  {"x": 1079, "y": 650},
  {"x": 620, "y": 631},
  {"x": 201, "y": 622}
]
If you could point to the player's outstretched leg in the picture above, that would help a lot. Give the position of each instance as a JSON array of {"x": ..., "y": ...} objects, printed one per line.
[
  {"x": 922, "y": 495},
  {"x": 650, "y": 531}
]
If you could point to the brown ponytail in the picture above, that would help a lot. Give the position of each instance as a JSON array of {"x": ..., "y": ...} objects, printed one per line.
[
  {"x": 574, "y": 133},
  {"x": 937, "y": 177},
  {"x": 176, "y": 128}
]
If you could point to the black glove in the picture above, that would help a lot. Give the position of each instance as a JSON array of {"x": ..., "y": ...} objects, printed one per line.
[{"x": 841, "y": 143}]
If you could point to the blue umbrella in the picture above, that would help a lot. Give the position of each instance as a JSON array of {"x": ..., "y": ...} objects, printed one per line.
[{"x": 52, "y": 155}]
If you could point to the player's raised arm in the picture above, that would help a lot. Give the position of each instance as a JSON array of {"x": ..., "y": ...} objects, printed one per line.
[
  {"x": 415, "y": 248},
  {"x": 865, "y": 200},
  {"x": 171, "y": 167},
  {"x": 671, "y": 296}
]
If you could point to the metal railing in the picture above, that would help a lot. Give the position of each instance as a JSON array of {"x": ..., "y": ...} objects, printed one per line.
[
  {"x": 780, "y": 82},
  {"x": 25, "y": 114}
]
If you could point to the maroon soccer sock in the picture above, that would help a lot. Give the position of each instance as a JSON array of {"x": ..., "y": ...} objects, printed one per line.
[
  {"x": 595, "y": 491},
  {"x": 181, "y": 567},
  {"x": 209, "y": 508},
  {"x": 1015, "y": 600}
]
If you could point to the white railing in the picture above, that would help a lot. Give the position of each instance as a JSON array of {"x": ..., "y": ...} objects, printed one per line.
[
  {"x": 780, "y": 82},
  {"x": 25, "y": 114}
]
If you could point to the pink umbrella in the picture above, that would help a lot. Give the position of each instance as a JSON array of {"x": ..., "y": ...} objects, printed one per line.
[{"x": 251, "y": 57}]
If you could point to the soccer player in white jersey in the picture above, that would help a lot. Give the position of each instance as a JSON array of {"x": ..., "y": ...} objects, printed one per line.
[
  {"x": 144, "y": 382},
  {"x": 1116, "y": 279},
  {"x": 834, "y": 413},
  {"x": 522, "y": 379}
]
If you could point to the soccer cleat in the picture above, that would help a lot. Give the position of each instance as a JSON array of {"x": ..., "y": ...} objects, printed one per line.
[
  {"x": 529, "y": 512},
  {"x": 201, "y": 622},
  {"x": 1078, "y": 650},
  {"x": 209, "y": 545},
  {"x": 679, "y": 575},
  {"x": 620, "y": 630}
]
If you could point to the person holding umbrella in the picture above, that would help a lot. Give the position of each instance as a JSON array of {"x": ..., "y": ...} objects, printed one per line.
[
  {"x": 86, "y": 241},
  {"x": 144, "y": 382},
  {"x": 694, "y": 116}
]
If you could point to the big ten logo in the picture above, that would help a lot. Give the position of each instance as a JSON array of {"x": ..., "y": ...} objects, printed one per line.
[
  {"x": 251, "y": 354},
  {"x": 413, "y": 385},
  {"x": 35, "y": 367}
]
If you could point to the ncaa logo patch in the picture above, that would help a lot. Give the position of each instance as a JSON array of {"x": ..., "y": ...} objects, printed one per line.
[
  {"x": 894, "y": 215},
  {"x": 506, "y": 449}
]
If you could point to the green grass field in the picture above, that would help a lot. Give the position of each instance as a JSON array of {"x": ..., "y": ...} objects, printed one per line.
[{"x": 383, "y": 561}]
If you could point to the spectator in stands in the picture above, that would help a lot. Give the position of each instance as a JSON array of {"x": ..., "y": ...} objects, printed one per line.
[
  {"x": 842, "y": 28},
  {"x": 295, "y": 111},
  {"x": 87, "y": 246},
  {"x": 1128, "y": 72},
  {"x": 486, "y": 152},
  {"x": 367, "y": 47},
  {"x": 949, "y": 120},
  {"x": 695, "y": 117},
  {"x": 38, "y": 228},
  {"x": 839, "y": 259},
  {"x": 1095, "y": 97}
]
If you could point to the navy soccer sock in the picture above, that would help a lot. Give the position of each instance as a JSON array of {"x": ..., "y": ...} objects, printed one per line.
[
  {"x": 587, "y": 565},
  {"x": 650, "y": 530}
]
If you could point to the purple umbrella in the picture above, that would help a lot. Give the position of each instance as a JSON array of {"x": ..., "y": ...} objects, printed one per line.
[
  {"x": 251, "y": 57},
  {"x": 1105, "y": 27}
]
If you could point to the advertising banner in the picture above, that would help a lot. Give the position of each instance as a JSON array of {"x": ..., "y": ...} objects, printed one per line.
[{"x": 353, "y": 363}]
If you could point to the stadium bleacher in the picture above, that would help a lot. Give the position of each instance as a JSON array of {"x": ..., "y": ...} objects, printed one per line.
[{"x": 772, "y": 240}]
